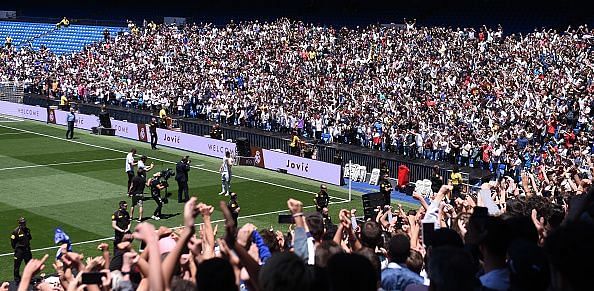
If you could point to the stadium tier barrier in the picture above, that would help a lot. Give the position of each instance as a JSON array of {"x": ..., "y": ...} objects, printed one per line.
[{"x": 272, "y": 160}]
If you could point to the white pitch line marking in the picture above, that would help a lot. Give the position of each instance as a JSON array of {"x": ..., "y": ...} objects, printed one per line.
[
  {"x": 10, "y": 118},
  {"x": 59, "y": 164}
]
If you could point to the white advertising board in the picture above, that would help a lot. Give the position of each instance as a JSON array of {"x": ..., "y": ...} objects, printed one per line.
[
  {"x": 198, "y": 144},
  {"x": 23, "y": 111}
]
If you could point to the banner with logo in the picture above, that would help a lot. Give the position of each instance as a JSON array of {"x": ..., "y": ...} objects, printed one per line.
[
  {"x": 23, "y": 111},
  {"x": 142, "y": 132},
  {"x": 298, "y": 166},
  {"x": 194, "y": 143},
  {"x": 258, "y": 158},
  {"x": 51, "y": 116}
]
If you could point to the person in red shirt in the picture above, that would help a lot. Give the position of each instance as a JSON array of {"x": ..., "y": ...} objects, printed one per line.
[
  {"x": 486, "y": 149},
  {"x": 551, "y": 126},
  {"x": 569, "y": 138}
]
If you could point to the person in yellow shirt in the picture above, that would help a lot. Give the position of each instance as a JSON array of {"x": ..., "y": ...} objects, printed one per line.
[
  {"x": 8, "y": 41},
  {"x": 294, "y": 145},
  {"x": 64, "y": 102},
  {"x": 456, "y": 181},
  {"x": 152, "y": 26},
  {"x": 162, "y": 113},
  {"x": 63, "y": 23}
]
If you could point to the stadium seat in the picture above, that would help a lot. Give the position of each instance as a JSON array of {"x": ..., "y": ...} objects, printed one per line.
[
  {"x": 61, "y": 41},
  {"x": 362, "y": 174}
]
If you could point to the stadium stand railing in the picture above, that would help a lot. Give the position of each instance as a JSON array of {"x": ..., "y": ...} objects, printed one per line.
[{"x": 11, "y": 92}]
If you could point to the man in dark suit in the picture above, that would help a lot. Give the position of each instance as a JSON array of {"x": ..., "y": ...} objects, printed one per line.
[
  {"x": 181, "y": 176},
  {"x": 153, "y": 131}
]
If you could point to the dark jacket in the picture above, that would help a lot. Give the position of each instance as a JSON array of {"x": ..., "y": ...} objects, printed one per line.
[
  {"x": 181, "y": 171},
  {"x": 20, "y": 238}
]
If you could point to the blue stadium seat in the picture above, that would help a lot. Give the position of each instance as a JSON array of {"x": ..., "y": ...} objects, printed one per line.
[{"x": 62, "y": 41}]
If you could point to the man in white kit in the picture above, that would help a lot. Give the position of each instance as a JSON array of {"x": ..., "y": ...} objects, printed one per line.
[
  {"x": 142, "y": 165},
  {"x": 130, "y": 163},
  {"x": 226, "y": 174}
]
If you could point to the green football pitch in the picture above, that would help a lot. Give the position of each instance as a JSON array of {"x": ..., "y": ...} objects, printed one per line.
[{"x": 77, "y": 184}]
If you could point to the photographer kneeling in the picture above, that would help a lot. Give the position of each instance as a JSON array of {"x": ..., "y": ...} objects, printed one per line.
[{"x": 156, "y": 186}]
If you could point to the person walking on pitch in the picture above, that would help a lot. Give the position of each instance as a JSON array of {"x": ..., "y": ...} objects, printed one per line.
[{"x": 226, "y": 174}]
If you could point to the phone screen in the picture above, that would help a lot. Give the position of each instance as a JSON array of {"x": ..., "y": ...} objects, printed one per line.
[
  {"x": 480, "y": 211},
  {"x": 428, "y": 231},
  {"x": 285, "y": 219},
  {"x": 92, "y": 278}
]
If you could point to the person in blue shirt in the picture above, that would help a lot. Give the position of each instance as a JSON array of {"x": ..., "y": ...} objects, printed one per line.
[
  {"x": 527, "y": 160},
  {"x": 70, "y": 119},
  {"x": 522, "y": 141},
  {"x": 397, "y": 276}
]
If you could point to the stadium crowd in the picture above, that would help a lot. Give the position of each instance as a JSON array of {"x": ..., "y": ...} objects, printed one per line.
[
  {"x": 474, "y": 97},
  {"x": 472, "y": 243},
  {"x": 519, "y": 105}
]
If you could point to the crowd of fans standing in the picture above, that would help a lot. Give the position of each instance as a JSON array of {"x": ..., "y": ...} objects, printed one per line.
[
  {"x": 478, "y": 98},
  {"x": 472, "y": 243},
  {"x": 517, "y": 104}
]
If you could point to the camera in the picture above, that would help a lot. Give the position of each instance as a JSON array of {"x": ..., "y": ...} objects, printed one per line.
[{"x": 165, "y": 175}]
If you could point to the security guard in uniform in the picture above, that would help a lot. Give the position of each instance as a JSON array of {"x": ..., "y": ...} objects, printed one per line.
[
  {"x": 120, "y": 222},
  {"x": 386, "y": 188},
  {"x": 234, "y": 207},
  {"x": 20, "y": 241},
  {"x": 322, "y": 199}
]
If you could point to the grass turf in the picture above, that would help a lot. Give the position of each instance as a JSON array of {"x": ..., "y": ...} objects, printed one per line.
[{"x": 77, "y": 185}]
